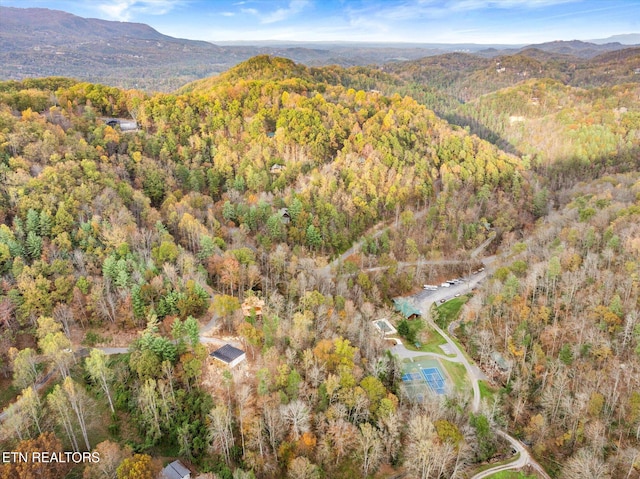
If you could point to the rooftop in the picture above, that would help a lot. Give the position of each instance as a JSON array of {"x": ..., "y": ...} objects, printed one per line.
[
  {"x": 227, "y": 353},
  {"x": 406, "y": 307},
  {"x": 175, "y": 470}
]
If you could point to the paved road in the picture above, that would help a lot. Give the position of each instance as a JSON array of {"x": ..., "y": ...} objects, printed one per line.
[
  {"x": 405, "y": 264},
  {"x": 404, "y": 353},
  {"x": 424, "y": 300},
  {"x": 110, "y": 351},
  {"x": 374, "y": 232},
  {"x": 522, "y": 458}
]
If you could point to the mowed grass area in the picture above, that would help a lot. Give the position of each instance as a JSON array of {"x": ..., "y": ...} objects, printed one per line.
[
  {"x": 450, "y": 310},
  {"x": 430, "y": 342},
  {"x": 486, "y": 391},
  {"x": 458, "y": 374},
  {"x": 512, "y": 475}
]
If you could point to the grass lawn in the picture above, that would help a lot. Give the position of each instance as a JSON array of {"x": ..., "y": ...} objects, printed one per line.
[
  {"x": 512, "y": 475},
  {"x": 486, "y": 391},
  {"x": 430, "y": 342},
  {"x": 450, "y": 310},
  {"x": 458, "y": 374}
]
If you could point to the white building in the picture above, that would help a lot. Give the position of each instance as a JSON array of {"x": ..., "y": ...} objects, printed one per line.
[{"x": 229, "y": 355}]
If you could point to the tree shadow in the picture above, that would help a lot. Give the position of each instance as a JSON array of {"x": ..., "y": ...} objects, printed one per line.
[
  {"x": 565, "y": 173},
  {"x": 481, "y": 130}
]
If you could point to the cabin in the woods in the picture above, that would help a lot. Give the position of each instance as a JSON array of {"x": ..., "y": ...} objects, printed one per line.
[
  {"x": 123, "y": 124},
  {"x": 175, "y": 470},
  {"x": 229, "y": 355},
  {"x": 406, "y": 308},
  {"x": 284, "y": 215}
]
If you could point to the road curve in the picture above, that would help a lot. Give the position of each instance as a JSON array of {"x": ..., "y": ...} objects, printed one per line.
[{"x": 522, "y": 457}]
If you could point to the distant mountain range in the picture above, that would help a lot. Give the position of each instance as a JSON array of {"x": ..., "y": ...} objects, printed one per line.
[
  {"x": 37, "y": 42},
  {"x": 625, "y": 39}
]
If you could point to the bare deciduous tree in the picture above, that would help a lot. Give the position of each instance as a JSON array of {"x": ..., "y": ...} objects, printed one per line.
[{"x": 296, "y": 413}]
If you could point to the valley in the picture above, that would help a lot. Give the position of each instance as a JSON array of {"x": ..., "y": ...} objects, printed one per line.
[{"x": 273, "y": 268}]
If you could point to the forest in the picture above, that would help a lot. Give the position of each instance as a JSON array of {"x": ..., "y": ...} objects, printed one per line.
[{"x": 120, "y": 249}]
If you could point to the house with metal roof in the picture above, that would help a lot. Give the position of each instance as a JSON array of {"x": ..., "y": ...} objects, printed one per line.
[
  {"x": 175, "y": 470},
  {"x": 229, "y": 355},
  {"x": 405, "y": 307}
]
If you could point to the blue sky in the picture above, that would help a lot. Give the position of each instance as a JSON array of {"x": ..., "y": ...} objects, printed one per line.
[{"x": 416, "y": 21}]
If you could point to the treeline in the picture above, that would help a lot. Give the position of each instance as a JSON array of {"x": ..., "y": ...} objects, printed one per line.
[
  {"x": 563, "y": 311},
  {"x": 231, "y": 189},
  {"x": 561, "y": 129}
]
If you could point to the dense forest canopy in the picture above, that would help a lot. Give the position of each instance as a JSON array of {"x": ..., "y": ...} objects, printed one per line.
[{"x": 243, "y": 189}]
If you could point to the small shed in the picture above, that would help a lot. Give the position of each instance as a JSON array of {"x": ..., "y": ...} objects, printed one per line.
[
  {"x": 500, "y": 361},
  {"x": 175, "y": 470},
  {"x": 229, "y": 355},
  {"x": 284, "y": 215},
  {"x": 405, "y": 307},
  {"x": 276, "y": 168}
]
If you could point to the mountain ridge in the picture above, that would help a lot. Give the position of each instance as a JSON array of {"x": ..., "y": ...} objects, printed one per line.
[{"x": 37, "y": 42}]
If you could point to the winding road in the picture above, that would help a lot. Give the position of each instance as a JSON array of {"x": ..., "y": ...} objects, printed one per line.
[{"x": 424, "y": 300}]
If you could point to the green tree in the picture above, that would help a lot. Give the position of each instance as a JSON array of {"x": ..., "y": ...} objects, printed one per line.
[
  {"x": 25, "y": 367},
  {"x": 486, "y": 445},
  {"x": 34, "y": 245},
  {"x": 314, "y": 238},
  {"x": 99, "y": 371}
]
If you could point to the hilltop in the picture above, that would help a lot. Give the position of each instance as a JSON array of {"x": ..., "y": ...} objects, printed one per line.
[
  {"x": 283, "y": 209},
  {"x": 39, "y": 42}
]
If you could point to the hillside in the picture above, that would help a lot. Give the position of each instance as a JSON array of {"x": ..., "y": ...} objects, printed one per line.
[
  {"x": 281, "y": 209},
  {"x": 577, "y": 48},
  {"x": 555, "y": 124},
  {"x": 562, "y": 308},
  {"x": 467, "y": 77},
  {"x": 40, "y": 42},
  {"x": 58, "y": 28},
  {"x": 137, "y": 240},
  {"x": 37, "y": 42}
]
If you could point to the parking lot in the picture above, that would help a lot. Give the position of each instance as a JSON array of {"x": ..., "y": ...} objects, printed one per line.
[{"x": 442, "y": 294}]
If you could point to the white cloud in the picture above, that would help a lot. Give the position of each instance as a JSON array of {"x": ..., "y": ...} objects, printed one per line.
[
  {"x": 124, "y": 10},
  {"x": 481, "y": 4},
  {"x": 295, "y": 7},
  {"x": 250, "y": 11},
  {"x": 118, "y": 10},
  {"x": 436, "y": 9}
]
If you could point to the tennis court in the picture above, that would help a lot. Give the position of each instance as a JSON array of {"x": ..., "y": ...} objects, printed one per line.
[
  {"x": 434, "y": 378},
  {"x": 423, "y": 377}
]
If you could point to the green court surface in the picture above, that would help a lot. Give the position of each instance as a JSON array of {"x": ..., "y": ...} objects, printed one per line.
[{"x": 424, "y": 377}]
